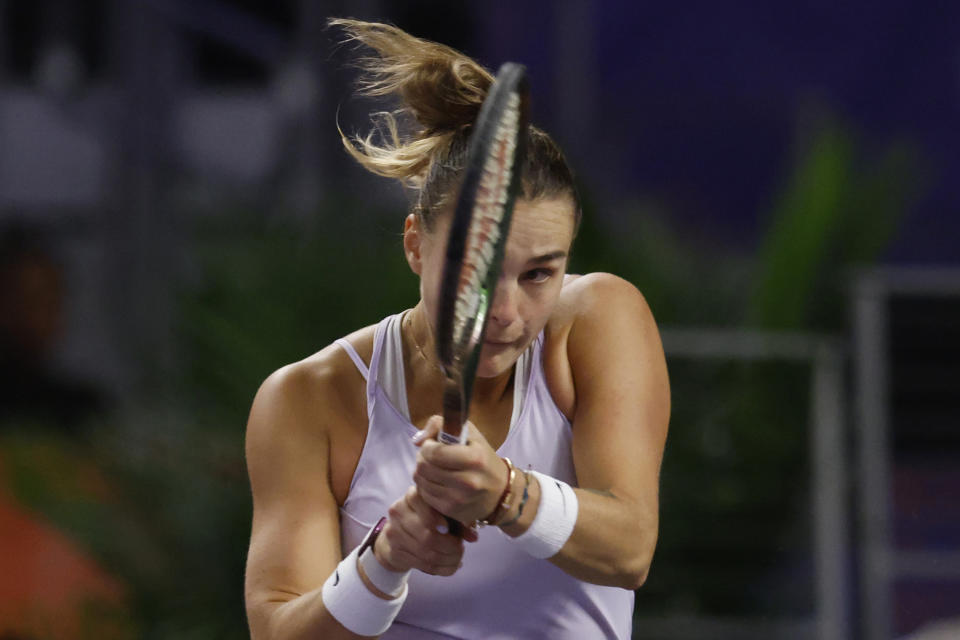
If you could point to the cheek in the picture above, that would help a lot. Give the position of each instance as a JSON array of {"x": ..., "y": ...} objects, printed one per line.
[
  {"x": 540, "y": 317},
  {"x": 545, "y": 300},
  {"x": 431, "y": 269},
  {"x": 535, "y": 312},
  {"x": 430, "y": 282}
]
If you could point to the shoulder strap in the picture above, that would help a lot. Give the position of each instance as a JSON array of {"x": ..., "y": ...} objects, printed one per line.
[
  {"x": 390, "y": 373},
  {"x": 357, "y": 360}
]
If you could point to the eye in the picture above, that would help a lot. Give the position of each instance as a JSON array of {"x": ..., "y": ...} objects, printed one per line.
[{"x": 538, "y": 276}]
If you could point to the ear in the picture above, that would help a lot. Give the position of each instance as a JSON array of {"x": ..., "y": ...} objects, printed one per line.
[{"x": 412, "y": 242}]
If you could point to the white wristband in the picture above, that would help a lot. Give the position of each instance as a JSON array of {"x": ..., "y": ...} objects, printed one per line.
[
  {"x": 555, "y": 519},
  {"x": 349, "y": 600},
  {"x": 390, "y": 582}
]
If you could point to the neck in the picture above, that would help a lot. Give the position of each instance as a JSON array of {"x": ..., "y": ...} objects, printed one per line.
[
  {"x": 420, "y": 344},
  {"x": 424, "y": 367},
  {"x": 491, "y": 390}
]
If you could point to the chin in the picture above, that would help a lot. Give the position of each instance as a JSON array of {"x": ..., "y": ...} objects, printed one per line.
[{"x": 491, "y": 366}]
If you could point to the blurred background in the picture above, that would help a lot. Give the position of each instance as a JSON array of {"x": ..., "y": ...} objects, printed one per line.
[{"x": 178, "y": 220}]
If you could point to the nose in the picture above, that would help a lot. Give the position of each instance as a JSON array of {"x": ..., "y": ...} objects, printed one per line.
[{"x": 503, "y": 309}]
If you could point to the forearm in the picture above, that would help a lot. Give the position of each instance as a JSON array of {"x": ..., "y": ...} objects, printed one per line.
[
  {"x": 300, "y": 618},
  {"x": 358, "y": 600},
  {"x": 612, "y": 541}
]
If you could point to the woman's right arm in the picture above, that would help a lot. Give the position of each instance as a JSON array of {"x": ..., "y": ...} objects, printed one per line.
[{"x": 295, "y": 539}]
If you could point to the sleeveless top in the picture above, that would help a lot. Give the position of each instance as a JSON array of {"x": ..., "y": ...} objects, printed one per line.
[{"x": 500, "y": 592}]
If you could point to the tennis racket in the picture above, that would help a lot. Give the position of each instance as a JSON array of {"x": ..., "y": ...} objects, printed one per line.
[{"x": 475, "y": 246}]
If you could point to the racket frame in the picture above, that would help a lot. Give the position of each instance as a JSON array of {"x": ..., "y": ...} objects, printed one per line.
[{"x": 459, "y": 360}]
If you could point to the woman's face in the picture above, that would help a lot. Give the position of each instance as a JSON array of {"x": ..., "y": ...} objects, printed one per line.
[{"x": 534, "y": 264}]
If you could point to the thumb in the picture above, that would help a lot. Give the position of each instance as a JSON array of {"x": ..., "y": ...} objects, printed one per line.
[{"x": 430, "y": 430}]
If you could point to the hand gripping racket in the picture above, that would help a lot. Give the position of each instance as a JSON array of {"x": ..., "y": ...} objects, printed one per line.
[{"x": 478, "y": 235}]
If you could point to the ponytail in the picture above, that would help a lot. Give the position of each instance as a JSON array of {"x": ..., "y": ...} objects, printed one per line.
[
  {"x": 440, "y": 90},
  {"x": 423, "y": 142}
]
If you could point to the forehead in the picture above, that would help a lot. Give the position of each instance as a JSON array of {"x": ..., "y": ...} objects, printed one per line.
[
  {"x": 538, "y": 227},
  {"x": 541, "y": 226}
]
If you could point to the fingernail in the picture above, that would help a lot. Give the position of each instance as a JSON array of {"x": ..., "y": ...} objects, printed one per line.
[
  {"x": 419, "y": 436},
  {"x": 442, "y": 528}
]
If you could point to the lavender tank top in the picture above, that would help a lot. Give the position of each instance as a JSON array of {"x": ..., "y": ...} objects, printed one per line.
[{"x": 500, "y": 592}]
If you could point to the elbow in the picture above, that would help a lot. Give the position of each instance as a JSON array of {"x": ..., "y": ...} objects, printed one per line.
[
  {"x": 638, "y": 567},
  {"x": 639, "y": 578},
  {"x": 634, "y": 575},
  {"x": 628, "y": 569},
  {"x": 635, "y": 566}
]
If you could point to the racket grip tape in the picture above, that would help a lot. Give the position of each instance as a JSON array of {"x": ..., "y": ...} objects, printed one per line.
[
  {"x": 449, "y": 438},
  {"x": 454, "y": 527}
]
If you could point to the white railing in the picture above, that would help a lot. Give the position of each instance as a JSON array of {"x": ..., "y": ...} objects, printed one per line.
[
  {"x": 881, "y": 563},
  {"x": 828, "y": 508}
]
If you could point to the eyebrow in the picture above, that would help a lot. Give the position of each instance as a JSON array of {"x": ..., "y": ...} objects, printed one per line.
[{"x": 547, "y": 257}]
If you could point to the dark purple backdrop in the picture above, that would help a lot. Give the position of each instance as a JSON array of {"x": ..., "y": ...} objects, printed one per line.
[{"x": 699, "y": 102}]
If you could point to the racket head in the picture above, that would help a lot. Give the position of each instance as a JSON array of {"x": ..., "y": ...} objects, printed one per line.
[{"x": 478, "y": 234}]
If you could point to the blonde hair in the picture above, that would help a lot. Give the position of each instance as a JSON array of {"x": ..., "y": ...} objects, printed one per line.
[{"x": 423, "y": 142}]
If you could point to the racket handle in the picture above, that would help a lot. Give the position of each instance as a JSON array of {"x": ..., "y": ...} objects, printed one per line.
[
  {"x": 453, "y": 416},
  {"x": 455, "y": 527},
  {"x": 448, "y": 438}
]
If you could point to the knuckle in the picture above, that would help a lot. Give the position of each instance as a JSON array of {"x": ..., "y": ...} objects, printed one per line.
[
  {"x": 468, "y": 457},
  {"x": 389, "y": 534}
]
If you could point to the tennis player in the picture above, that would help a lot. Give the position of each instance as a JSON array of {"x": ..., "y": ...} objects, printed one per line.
[{"x": 567, "y": 424}]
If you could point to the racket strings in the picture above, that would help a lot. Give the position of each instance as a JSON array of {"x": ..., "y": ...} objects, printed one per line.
[{"x": 490, "y": 206}]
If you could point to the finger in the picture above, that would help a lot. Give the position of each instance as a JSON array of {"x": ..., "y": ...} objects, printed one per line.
[
  {"x": 424, "y": 555},
  {"x": 430, "y": 517},
  {"x": 450, "y": 493},
  {"x": 429, "y": 431},
  {"x": 470, "y": 534},
  {"x": 474, "y": 436},
  {"x": 435, "y": 498},
  {"x": 444, "y": 568},
  {"x": 453, "y": 457},
  {"x": 449, "y": 542},
  {"x": 418, "y": 523},
  {"x": 408, "y": 522},
  {"x": 444, "y": 477}
]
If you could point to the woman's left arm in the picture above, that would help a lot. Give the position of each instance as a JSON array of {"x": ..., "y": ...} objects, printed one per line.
[{"x": 619, "y": 432}]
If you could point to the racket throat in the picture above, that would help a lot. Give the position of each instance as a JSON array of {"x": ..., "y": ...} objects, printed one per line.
[{"x": 479, "y": 320}]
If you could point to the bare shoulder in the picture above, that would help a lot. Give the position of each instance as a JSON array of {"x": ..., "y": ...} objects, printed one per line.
[
  {"x": 328, "y": 378},
  {"x": 594, "y": 310},
  {"x": 588, "y": 299},
  {"x": 600, "y": 293},
  {"x": 304, "y": 410}
]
